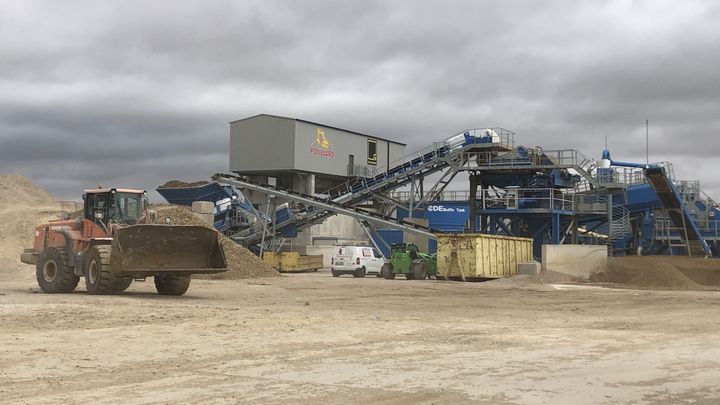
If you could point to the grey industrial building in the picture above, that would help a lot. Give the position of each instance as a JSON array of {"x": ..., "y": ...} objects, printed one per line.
[
  {"x": 303, "y": 155},
  {"x": 310, "y": 158}
]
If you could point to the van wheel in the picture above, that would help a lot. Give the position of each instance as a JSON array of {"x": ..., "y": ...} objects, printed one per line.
[
  {"x": 334, "y": 273},
  {"x": 360, "y": 273}
]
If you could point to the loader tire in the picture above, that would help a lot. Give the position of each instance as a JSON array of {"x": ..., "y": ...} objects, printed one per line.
[
  {"x": 123, "y": 285},
  {"x": 171, "y": 284},
  {"x": 387, "y": 272},
  {"x": 53, "y": 274},
  {"x": 418, "y": 271},
  {"x": 99, "y": 279}
]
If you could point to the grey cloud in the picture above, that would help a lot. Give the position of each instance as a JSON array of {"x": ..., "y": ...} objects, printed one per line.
[{"x": 135, "y": 93}]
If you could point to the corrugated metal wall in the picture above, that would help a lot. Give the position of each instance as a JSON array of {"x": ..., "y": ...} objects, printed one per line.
[
  {"x": 262, "y": 143},
  {"x": 267, "y": 143},
  {"x": 471, "y": 256}
]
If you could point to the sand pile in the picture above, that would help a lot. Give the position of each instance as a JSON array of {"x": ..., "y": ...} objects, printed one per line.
[
  {"x": 662, "y": 273},
  {"x": 18, "y": 190},
  {"x": 241, "y": 262},
  {"x": 545, "y": 277},
  {"x": 23, "y": 206},
  {"x": 180, "y": 183}
]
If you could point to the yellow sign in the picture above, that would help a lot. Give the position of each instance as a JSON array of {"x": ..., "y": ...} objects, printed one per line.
[{"x": 321, "y": 147}]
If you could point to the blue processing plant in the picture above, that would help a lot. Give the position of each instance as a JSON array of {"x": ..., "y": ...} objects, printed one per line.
[{"x": 552, "y": 196}]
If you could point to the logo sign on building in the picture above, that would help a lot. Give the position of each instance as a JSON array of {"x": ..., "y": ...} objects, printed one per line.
[
  {"x": 321, "y": 146},
  {"x": 442, "y": 208}
]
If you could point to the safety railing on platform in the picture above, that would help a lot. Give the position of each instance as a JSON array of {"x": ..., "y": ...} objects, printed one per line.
[
  {"x": 591, "y": 203},
  {"x": 446, "y": 195},
  {"x": 530, "y": 158},
  {"x": 526, "y": 198}
]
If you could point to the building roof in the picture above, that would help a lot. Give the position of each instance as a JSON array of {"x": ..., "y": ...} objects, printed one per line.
[
  {"x": 107, "y": 190},
  {"x": 322, "y": 125}
]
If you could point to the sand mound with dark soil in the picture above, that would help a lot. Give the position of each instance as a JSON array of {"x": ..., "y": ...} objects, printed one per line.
[
  {"x": 241, "y": 262},
  {"x": 180, "y": 183},
  {"x": 661, "y": 272},
  {"x": 545, "y": 277}
]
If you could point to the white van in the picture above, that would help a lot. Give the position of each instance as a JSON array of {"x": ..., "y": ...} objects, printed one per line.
[{"x": 356, "y": 260}]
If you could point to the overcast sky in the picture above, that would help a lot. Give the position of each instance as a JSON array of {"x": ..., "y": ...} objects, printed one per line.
[{"x": 133, "y": 93}]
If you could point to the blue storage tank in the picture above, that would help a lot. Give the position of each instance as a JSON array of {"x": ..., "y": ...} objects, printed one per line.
[{"x": 390, "y": 236}]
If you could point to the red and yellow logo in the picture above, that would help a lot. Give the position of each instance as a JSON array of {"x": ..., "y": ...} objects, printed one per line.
[{"x": 321, "y": 147}]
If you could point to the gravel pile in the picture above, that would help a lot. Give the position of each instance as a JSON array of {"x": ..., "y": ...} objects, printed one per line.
[
  {"x": 241, "y": 262},
  {"x": 180, "y": 183},
  {"x": 661, "y": 273}
]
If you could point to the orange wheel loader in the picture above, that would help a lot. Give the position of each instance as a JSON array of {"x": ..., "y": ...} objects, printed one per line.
[{"x": 113, "y": 244}]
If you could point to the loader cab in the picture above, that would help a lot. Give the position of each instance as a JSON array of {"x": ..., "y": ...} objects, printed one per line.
[{"x": 114, "y": 206}]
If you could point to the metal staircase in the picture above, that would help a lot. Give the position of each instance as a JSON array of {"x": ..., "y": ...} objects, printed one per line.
[
  {"x": 619, "y": 225},
  {"x": 674, "y": 208}
]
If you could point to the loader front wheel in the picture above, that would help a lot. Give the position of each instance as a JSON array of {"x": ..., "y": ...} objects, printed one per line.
[
  {"x": 53, "y": 274},
  {"x": 123, "y": 285},
  {"x": 99, "y": 279},
  {"x": 170, "y": 284}
]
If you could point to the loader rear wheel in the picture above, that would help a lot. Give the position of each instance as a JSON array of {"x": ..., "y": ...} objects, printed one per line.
[
  {"x": 387, "y": 271},
  {"x": 53, "y": 274},
  {"x": 99, "y": 279},
  {"x": 418, "y": 271},
  {"x": 170, "y": 284}
]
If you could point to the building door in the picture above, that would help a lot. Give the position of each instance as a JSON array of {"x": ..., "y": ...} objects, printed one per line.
[{"x": 351, "y": 165}]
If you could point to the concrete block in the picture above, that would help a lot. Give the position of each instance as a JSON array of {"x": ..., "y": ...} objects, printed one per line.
[
  {"x": 207, "y": 218},
  {"x": 327, "y": 252},
  {"x": 575, "y": 260},
  {"x": 529, "y": 268},
  {"x": 203, "y": 207}
]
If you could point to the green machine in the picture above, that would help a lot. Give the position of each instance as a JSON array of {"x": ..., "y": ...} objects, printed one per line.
[{"x": 405, "y": 258}]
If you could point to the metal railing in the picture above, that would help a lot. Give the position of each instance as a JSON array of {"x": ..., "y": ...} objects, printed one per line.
[
  {"x": 446, "y": 195},
  {"x": 526, "y": 198},
  {"x": 362, "y": 171},
  {"x": 420, "y": 159},
  {"x": 536, "y": 157}
]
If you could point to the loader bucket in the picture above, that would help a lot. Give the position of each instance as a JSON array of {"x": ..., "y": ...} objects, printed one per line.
[{"x": 144, "y": 250}]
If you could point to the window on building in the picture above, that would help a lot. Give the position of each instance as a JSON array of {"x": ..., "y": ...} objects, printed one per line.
[{"x": 372, "y": 152}]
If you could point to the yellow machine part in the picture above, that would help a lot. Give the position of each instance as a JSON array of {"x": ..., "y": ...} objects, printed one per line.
[{"x": 480, "y": 256}]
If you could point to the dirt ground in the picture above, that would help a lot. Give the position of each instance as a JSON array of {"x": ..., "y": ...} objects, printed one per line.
[{"x": 312, "y": 338}]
